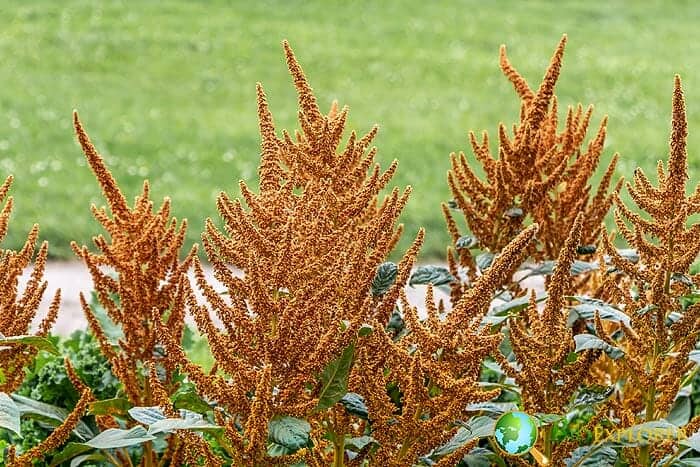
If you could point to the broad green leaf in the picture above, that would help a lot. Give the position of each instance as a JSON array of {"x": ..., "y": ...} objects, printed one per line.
[
  {"x": 492, "y": 408},
  {"x": 286, "y": 435},
  {"x": 546, "y": 268},
  {"x": 484, "y": 260},
  {"x": 112, "y": 330},
  {"x": 334, "y": 379},
  {"x": 117, "y": 406},
  {"x": 503, "y": 311},
  {"x": 51, "y": 413},
  {"x": 591, "y": 342},
  {"x": 396, "y": 323},
  {"x": 187, "y": 421},
  {"x": 587, "y": 307},
  {"x": 466, "y": 241},
  {"x": 475, "y": 427},
  {"x": 186, "y": 397},
  {"x": 593, "y": 395},
  {"x": 358, "y": 443},
  {"x": 592, "y": 456},
  {"x": 118, "y": 438},
  {"x": 694, "y": 356},
  {"x": 384, "y": 278},
  {"x": 355, "y": 405},
  {"x": 514, "y": 213},
  {"x": 9, "y": 414},
  {"x": 693, "y": 442},
  {"x": 147, "y": 415},
  {"x": 38, "y": 342},
  {"x": 87, "y": 457},
  {"x": 685, "y": 462},
  {"x": 365, "y": 330},
  {"x": 69, "y": 452},
  {"x": 581, "y": 267},
  {"x": 478, "y": 457},
  {"x": 681, "y": 411},
  {"x": 586, "y": 249},
  {"x": 436, "y": 275}
]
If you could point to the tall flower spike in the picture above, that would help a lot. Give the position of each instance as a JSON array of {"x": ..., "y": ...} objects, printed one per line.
[
  {"x": 20, "y": 308},
  {"x": 656, "y": 345},
  {"x": 541, "y": 342},
  {"x": 309, "y": 244},
  {"x": 435, "y": 366},
  {"x": 138, "y": 278},
  {"x": 542, "y": 174}
]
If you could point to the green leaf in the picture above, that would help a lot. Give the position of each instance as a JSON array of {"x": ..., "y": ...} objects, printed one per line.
[
  {"x": 384, "y": 278},
  {"x": 591, "y": 342},
  {"x": 581, "y": 267},
  {"x": 503, "y": 311},
  {"x": 118, "y": 438},
  {"x": 681, "y": 411},
  {"x": 593, "y": 395},
  {"x": 685, "y": 462},
  {"x": 475, "y": 427},
  {"x": 365, "y": 330},
  {"x": 186, "y": 397},
  {"x": 484, "y": 260},
  {"x": 466, "y": 241},
  {"x": 147, "y": 415},
  {"x": 436, "y": 275},
  {"x": 644, "y": 310},
  {"x": 38, "y": 342},
  {"x": 355, "y": 405},
  {"x": 87, "y": 457},
  {"x": 592, "y": 456},
  {"x": 478, "y": 457},
  {"x": 693, "y": 442},
  {"x": 358, "y": 443},
  {"x": 546, "y": 268},
  {"x": 112, "y": 330},
  {"x": 586, "y": 249},
  {"x": 588, "y": 306},
  {"x": 514, "y": 213},
  {"x": 9, "y": 414},
  {"x": 334, "y": 379},
  {"x": 70, "y": 451},
  {"x": 682, "y": 278},
  {"x": 117, "y": 406},
  {"x": 492, "y": 408},
  {"x": 187, "y": 421},
  {"x": 286, "y": 435},
  {"x": 51, "y": 413}
]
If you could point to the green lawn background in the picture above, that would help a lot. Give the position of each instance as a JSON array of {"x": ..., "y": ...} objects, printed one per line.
[{"x": 167, "y": 90}]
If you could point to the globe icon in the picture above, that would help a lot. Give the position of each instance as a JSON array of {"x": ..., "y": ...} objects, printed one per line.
[{"x": 515, "y": 433}]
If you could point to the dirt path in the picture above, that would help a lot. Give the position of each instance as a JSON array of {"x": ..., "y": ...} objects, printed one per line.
[{"x": 72, "y": 278}]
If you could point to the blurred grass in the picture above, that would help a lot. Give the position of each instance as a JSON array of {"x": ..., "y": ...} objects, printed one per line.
[{"x": 166, "y": 90}]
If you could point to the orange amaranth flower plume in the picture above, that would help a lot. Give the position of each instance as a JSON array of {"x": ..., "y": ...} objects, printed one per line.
[
  {"x": 18, "y": 309},
  {"x": 308, "y": 245},
  {"x": 542, "y": 174}
]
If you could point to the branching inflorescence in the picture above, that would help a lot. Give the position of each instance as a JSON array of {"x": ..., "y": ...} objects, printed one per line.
[{"x": 542, "y": 174}]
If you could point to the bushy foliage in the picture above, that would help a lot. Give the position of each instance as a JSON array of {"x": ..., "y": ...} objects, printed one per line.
[{"x": 312, "y": 354}]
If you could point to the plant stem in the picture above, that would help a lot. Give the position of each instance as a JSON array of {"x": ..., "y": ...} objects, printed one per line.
[
  {"x": 339, "y": 450},
  {"x": 649, "y": 416},
  {"x": 547, "y": 441}
]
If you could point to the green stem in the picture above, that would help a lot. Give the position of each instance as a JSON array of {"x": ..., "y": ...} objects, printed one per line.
[
  {"x": 644, "y": 458},
  {"x": 547, "y": 441},
  {"x": 339, "y": 450}
]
